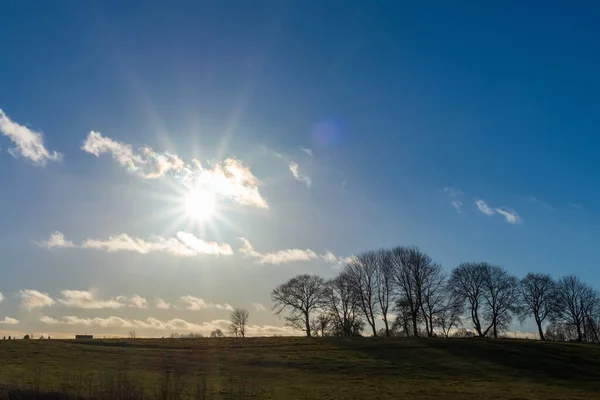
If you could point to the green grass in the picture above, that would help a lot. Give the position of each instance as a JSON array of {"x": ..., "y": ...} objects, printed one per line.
[{"x": 316, "y": 368}]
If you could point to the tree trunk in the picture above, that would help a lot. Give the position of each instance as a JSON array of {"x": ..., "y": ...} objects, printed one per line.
[
  {"x": 306, "y": 320},
  {"x": 540, "y": 331},
  {"x": 374, "y": 330},
  {"x": 495, "y": 331},
  {"x": 415, "y": 327},
  {"x": 387, "y": 328},
  {"x": 579, "y": 335}
]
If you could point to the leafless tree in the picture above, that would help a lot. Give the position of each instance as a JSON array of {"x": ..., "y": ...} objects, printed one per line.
[
  {"x": 320, "y": 324},
  {"x": 238, "y": 321},
  {"x": 501, "y": 297},
  {"x": 467, "y": 282},
  {"x": 299, "y": 298},
  {"x": 217, "y": 333},
  {"x": 450, "y": 315},
  {"x": 538, "y": 293},
  {"x": 361, "y": 271},
  {"x": 342, "y": 304},
  {"x": 132, "y": 335},
  {"x": 575, "y": 300},
  {"x": 403, "y": 320},
  {"x": 385, "y": 285},
  {"x": 432, "y": 296},
  {"x": 412, "y": 269}
]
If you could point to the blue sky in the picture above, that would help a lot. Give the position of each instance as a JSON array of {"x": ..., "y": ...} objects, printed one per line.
[{"x": 468, "y": 130}]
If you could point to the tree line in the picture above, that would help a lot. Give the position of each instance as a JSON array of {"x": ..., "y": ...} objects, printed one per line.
[{"x": 412, "y": 296}]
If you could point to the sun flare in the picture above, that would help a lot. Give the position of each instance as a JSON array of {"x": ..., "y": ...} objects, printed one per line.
[{"x": 200, "y": 205}]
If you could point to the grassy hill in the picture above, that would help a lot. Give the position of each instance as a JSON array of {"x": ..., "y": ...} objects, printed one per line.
[{"x": 304, "y": 368}]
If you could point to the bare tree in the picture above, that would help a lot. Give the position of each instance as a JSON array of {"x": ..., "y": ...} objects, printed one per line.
[
  {"x": 467, "y": 282},
  {"x": 575, "y": 300},
  {"x": 403, "y": 320},
  {"x": 432, "y": 296},
  {"x": 320, "y": 324},
  {"x": 385, "y": 285},
  {"x": 342, "y": 304},
  {"x": 299, "y": 297},
  {"x": 450, "y": 315},
  {"x": 217, "y": 333},
  {"x": 238, "y": 321},
  {"x": 361, "y": 271},
  {"x": 132, "y": 334},
  {"x": 501, "y": 296},
  {"x": 412, "y": 268},
  {"x": 538, "y": 292}
]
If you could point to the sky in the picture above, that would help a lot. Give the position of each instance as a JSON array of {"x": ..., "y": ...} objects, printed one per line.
[{"x": 163, "y": 163}]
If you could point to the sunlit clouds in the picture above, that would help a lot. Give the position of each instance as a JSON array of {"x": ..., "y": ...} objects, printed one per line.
[
  {"x": 56, "y": 239},
  {"x": 298, "y": 175},
  {"x": 193, "y": 303},
  {"x": 9, "y": 321},
  {"x": 31, "y": 299},
  {"x": 87, "y": 300},
  {"x": 184, "y": 244},
  {"x": 27, "y": 143},
  {"x": 484, "y": 208},
  {"x": 284, "y": 256},
  {"x": 162, "y": 305},
  {"x": 229, "y": 179},
  {"x": 171, "y": 325},
  {"x": 509, "y": 215}
]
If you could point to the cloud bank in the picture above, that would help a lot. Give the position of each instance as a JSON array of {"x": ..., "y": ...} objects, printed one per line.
[{"x": 285, "y": 256}]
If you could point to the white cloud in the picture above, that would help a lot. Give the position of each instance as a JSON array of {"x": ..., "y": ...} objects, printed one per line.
[
  {"x": 161, "y": 304},
  {"x": 174, "y": 325},
  {"x": 87, "y": 300},
  {"x": 28, "y": 143},
  {"x": 307, "y": 151},
  {"x": 184, "y": 245},
  {"x": 31, "y": 299},
  {"x": 298, "y": 175},
  {"x": 56, "y": 239},
  {"x": 193, "y": 303},
  {"x": 229, "y": 179},
  {"x": 259, "y": 307},
  {"x": 484, "y": 208},
  {"x": 285, "y": 256},
  {"x": 511, "y": 216},
  {"x": 138, "y": 302},
  {"x": 453, "y": 192},
  {"x": 1, "y": 297},
  {"x": 457, "y": 205},
  {"x": 9, "y": 321}
]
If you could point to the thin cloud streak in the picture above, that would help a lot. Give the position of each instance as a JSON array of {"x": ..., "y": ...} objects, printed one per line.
[
  {"x": 56, "y": 239},
  {"x": 458, "y": 206},
  {"x": 295, "y": 169},
  {"x": 285, "y": 256},
  {"x": 193, "y": 303},
  {"x": 28, "y": 143},
  {"x": 484, "y": 208},
  {"x": 9, "y": 321}
]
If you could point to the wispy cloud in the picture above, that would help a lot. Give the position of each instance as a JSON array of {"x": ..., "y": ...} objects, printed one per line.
[
  {"x": 184, "y": 244},
  {"x": 173, "y": 325},
  {"x": 259, "y": 307},
  {"x": 484, "y": 208},
  {"x": 541, "y": 203},
  {"x": 285, "y": 256},
  {"x": 229, "y": 179},
  {"x": 193, "y": 303},
  {"x": 457, "y": 205},
  {"x": 577, "y": 206},
  {"x": 9, "y": 321},
  {"x": 307, "y": 151},
  {"x": 298, "y": 175},
  {"x": 510, "y": 216},
  {"x": 1, "y": 297},
  {"x": 28, "y": 143},
  {"x": 163, "y": 305},
  {"x": 56, "y": 239},
  {"x": 31, "y": 299},
  {"x": 453, "y": 192}
]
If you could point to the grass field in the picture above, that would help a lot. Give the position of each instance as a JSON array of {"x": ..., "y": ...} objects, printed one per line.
[{"x": 305, "y": 368}]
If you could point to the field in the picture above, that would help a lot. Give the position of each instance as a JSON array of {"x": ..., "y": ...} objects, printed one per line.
[{"x": 302, "y": 368}]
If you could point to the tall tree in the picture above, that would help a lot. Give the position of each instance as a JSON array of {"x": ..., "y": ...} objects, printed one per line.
[
  {"x": 411, "y": 269},
  {"x": 574, "y": 301},
  {"x": 342, "y": 304},
  {"x": 385, "y": 285},
  {"x": 450, "y": 315},
  {"x": 467, "y": 282},
  {"x": 299, "y": 297},
  {"x": 238, "y": 320},
  {"x": 538, "y": 292},
  {"x": 501, "y": 296},
  {"x": 433, "y": 294},
  {"x": 361, "y": 271}
]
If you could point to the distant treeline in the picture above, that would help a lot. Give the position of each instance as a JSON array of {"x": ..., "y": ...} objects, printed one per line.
[{"x": 410, "y": 293}]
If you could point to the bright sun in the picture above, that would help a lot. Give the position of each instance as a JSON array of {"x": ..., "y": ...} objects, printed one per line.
[{"x": 200, "y": 204}]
